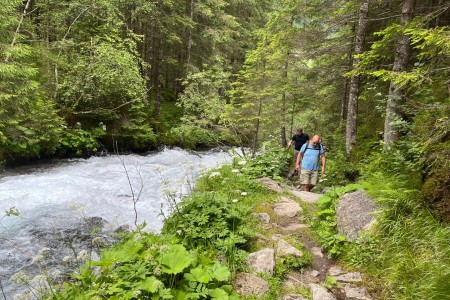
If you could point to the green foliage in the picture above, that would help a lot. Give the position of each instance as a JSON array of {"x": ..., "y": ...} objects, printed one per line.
[
  {"x": 29, "y": 125},
  {"x": 325, "y": 225},
  {"x": 215, "y": 217},
  {"x": 149, "y": 267},
  {"x": 107, "y": 87},
  {"x": 79, "y": 141},
  {"x": 410, "y": 242},
  {"x": 330, "y": 282},
  {"x": 271, "y": 161},
  {"x": 192, "y": 136}
]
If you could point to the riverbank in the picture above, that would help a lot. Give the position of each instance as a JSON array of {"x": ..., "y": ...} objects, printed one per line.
[
  {"x": 211, "y": 240},
  {"x": 68, "y": 204}
]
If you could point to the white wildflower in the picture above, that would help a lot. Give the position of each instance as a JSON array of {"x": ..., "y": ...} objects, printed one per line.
[
  {"x": 242, "y": 162},
  {"x": 98, "y": 241},
  {"x": 83, "y": 255},
  {"x": 137, "y": 293},
  {"x": 137, "y": 237},
  {"x": 19, "y": 277},
  {"x": 25, "y": 296},
  {"x": 244, "y": 194},
  {"x": 40, "y": 282},
  {"x": 234, "y": 200},
  {"x": 215, "y": 174},
  {"x": 41, "y": 255},
  {"x": 37, "y": 259},
  {"x": 235, "y": 171},
  {"x": 157, "y": 271}
]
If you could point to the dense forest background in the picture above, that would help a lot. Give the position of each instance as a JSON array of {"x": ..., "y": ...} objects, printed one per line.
[{"x": 371, "y": 77}]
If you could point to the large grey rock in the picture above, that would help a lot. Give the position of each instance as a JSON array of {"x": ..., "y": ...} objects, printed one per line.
[
  {"x": 286, "y": 249},
  {"x": 356, "y": 293},
  {"x": 335, "y": 271},
  {"x": 349, "y": 277},
  {"x": 250, "y": 285},
  {"x": 317, "y": 251},
  {"x": 293, "y": 297},
  {"x": 286, "y": 207},
  {"x": 320, "y": 293},
  {"x": 262, "y": 261},
  {"x": 294, "y": 227},
  {"x": 262, "y": 217},
  {"x": 307, "y": 197},
  {"x": 270, "y": 184},
  {"x": 354, "y": 212}
]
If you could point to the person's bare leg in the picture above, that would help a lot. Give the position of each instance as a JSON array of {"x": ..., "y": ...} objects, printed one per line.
[{"x": 305, "y": 187}]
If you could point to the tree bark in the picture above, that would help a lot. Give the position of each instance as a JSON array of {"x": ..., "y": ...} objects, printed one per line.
[
  {"x": 345, "y": 95},
  {"x": 189, "y": 41},
  {"x": 396, "y": 94},
  {"x": 260, "y": 104},
  {"x": 283, "y": 105},
  {"x": 158, "y": 78},
  {"x": 352, "y": 109}
]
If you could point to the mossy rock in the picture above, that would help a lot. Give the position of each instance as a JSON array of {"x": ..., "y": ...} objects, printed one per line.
[{"x": 436, "y": 192}]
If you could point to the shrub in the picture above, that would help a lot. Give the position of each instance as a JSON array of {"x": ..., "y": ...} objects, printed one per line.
[{"x": 149, "y": 267}]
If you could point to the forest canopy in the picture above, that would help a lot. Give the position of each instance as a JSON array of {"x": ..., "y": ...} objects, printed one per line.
[{"x": 78, "y": 76}]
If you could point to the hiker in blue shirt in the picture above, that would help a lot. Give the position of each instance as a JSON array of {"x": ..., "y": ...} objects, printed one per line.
[{"x": 308, "y": 159}]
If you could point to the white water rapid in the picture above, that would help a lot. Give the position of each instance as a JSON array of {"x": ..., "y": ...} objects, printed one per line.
[{"x": 56, "y": 199}]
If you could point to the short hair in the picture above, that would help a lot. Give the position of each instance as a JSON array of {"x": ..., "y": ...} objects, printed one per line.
[{"x": 299, "y": 129}]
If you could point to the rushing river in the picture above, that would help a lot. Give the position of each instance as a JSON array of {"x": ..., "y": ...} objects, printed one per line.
[{"x": 61, "y": 203}]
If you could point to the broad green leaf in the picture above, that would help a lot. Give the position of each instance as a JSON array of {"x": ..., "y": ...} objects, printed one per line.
[
  {"x": 220, "y": 272},
  {"x": 219, "y": 294},
  {"x": 199, "y": 274},
  {"x": 175, "y": 260},
  {"x": 150, "y": 284}
]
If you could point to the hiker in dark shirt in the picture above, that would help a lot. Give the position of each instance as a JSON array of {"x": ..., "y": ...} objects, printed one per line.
[{"x": 299, "y": 138}]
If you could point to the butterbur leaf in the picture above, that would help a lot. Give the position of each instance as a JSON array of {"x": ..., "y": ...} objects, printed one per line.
[
  {"x": 198, "y": 274},
  {"x": 220, "y": 272},
  {"x": 179, "y": 295},
  {"x": 150, "y": 284},
  {"x": 219, "y": 294},
  {"x": 175, "y": 260}
]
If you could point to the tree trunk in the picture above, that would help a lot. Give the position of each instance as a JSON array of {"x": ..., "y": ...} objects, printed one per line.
[
  {"x": 189, "y": 41},
  {"x": 258, "y": 119},
  {"x": 158, "y": 78},
  {"x": 345, "y": 95},
  {"x": 395, "y": 98},
  {"x": 283, "y": 105},
  {"x": 352, "y": 110}
]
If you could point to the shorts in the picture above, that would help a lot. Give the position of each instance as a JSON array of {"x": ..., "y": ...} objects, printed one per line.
[
  {"x": 309, "y": 176},
  {"x": 296, "y": 152}
]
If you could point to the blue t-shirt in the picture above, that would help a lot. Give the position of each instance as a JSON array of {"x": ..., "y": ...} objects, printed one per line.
[{"x": 310, "y": 160}]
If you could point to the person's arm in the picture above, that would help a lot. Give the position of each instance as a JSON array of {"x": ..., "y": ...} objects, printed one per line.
[
  {"x": 323, "y": 163},
  {"x": 300, "y": 157},
  {"x": 299, "y": 161},
  {"x": 289, "y": 144}
]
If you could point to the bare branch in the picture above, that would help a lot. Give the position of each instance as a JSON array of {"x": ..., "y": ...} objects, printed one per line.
[
  {"x": 101, "y": 109},
  {"x": 18, "y": 29}
]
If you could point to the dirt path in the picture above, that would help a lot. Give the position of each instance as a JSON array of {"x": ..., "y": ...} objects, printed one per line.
[{"x": 283, "y": 224}]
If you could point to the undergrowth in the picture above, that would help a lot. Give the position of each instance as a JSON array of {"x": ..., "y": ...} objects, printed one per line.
[
  {"x": 202, "y": 245},
  {"x": 407, "y": 256}
]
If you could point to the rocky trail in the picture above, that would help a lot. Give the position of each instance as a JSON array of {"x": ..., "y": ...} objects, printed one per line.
[{"x": 285, "y": 235}]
